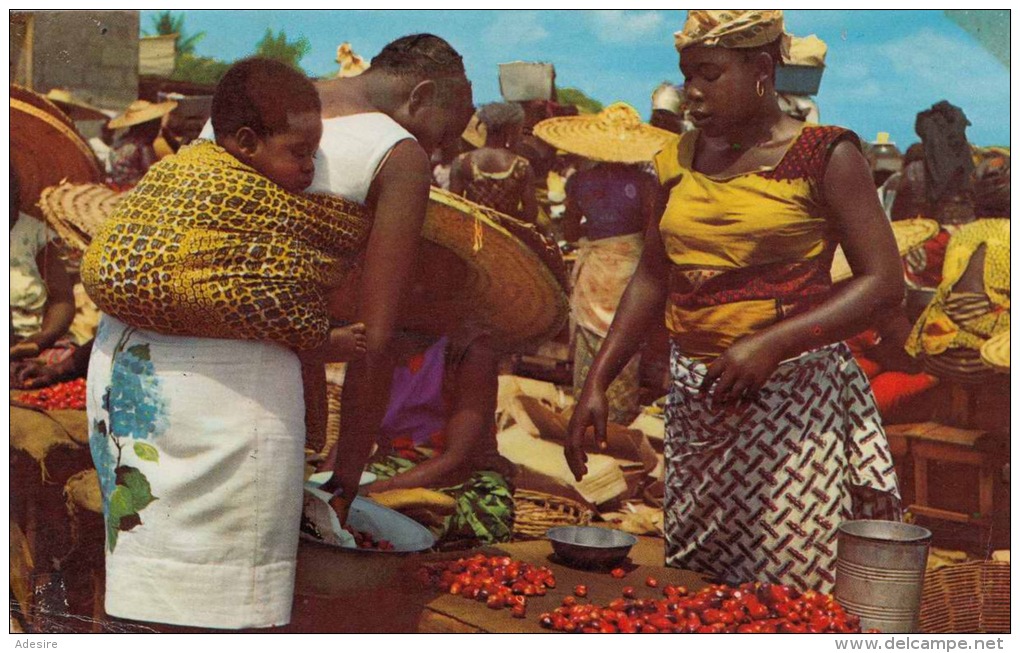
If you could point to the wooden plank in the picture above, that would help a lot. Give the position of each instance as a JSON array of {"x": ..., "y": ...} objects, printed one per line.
[
  {"x": 948, "y": 515},
  {"x": 437, "y": 623}
]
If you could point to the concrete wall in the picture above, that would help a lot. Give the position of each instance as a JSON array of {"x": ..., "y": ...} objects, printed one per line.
[{"x": 94, "y": 54}]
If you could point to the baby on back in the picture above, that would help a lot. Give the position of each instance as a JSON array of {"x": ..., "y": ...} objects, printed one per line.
[{"x": 217, "y": 241}]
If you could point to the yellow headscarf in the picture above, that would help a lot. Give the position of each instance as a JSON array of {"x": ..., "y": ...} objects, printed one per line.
[{"x": 733, "y": 28}]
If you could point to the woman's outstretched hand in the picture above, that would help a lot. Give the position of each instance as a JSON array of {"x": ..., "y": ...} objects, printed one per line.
[
  {"x": 591, "y": 411},
  {"x": 742, "y": 370}
]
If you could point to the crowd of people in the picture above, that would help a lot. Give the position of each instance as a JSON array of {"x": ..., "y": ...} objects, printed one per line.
[{"x": 719, "y": 220}]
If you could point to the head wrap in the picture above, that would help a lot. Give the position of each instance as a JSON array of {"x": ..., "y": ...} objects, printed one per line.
[
  {"x": 667, "y": 97},
  {"x": 733, "y": 28},
  {"x": 497, "y": 115}
]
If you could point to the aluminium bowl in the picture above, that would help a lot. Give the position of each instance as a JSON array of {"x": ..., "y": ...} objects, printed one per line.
[{"x": 590, "y": 547}]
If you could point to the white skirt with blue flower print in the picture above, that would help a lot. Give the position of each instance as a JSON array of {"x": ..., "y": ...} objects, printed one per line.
[{"x": 199, "y": 445}]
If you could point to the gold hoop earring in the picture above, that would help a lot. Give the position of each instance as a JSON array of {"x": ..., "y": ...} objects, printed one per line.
[{"x": 759, "y": 88}]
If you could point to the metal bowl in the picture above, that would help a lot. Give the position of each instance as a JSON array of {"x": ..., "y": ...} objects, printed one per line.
[{"x": 590, "y": 547}]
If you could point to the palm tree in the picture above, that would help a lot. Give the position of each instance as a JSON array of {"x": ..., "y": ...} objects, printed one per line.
[
  {"x": 276, "y": 46},
  {"x": 166, "y": 23}
]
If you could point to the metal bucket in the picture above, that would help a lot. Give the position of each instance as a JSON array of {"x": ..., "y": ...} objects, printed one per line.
[{"x": 880, "y": 572}]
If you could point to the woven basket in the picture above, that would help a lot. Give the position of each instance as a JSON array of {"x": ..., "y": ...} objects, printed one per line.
[
  {"x": 972, "y": 597},
  {"x": 536, "y": 512}
]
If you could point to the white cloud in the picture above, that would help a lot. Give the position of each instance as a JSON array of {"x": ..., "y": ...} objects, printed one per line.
[
  {"x": 619, "y": 26},
  {"x": 515, "y": 27},
  {"x": 941, "y": 61}
]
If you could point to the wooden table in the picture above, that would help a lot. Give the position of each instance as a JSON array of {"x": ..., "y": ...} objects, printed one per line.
[{"x": 342, "y": 592}]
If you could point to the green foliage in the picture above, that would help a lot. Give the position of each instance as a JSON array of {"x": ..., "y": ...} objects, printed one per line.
[
  {"x": 167, "y": 23},
  {"x": 146, "y": 451},
  {"x": 276, "y": 46},
  {"x": 579, "y": 99},
  {"x": 199, "y": 70}
]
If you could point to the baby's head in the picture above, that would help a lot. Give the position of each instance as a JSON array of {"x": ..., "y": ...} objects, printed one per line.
[{"x": 267, "y": 115}]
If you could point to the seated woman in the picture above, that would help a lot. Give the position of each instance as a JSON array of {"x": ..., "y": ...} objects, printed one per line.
[
  {"x": 970, "y": 306},
  {"x": 439, "y": 432},
  {"x": 493, "y": 175},
  {"x": 42, "y": 299}
]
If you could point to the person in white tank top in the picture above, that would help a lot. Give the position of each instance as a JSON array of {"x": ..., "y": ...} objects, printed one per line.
[{"x": 378, "y": 129}]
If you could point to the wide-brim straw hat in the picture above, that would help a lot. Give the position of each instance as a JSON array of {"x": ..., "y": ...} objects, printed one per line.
[
  {"x": 74, "y": 108},
  {"x": 616, "y": 134},
  {"x": 995, "y": 352},
  {"x": 45, "y": 148},
  {"x": 141, "y": 111},
  {"x": 76, "y": 211},
  {"x": 481, "y": 272},
  {"x": 910, "y": 234}
]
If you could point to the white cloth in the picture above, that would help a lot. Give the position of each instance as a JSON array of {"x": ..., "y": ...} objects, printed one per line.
[
  {"x": 28, "y": 288},
  {"x": 351, "y": 151},
  {"x": 216, "y": 429}
]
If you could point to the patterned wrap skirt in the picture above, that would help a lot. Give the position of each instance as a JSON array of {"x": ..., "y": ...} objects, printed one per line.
[
  {"x": 199, "y": 448},
  {"x": 756, "y": 492}
]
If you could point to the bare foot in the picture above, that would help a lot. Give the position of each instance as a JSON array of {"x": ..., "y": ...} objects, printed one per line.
[{"x": 347, "y": 343}]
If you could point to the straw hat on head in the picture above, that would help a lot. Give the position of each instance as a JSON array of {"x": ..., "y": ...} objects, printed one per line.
[
  {"x": 141, "y": 111},
  {"x": 995, "y": 352},
  {"x": 910, "y": 234},
  {"x": 481, "y": 271},
  {"x": 76, "y": 211},
  {"x": 74, "y": 108},
  {"x": 616, "y": 134},
  {"x": 45, "y": 148}
]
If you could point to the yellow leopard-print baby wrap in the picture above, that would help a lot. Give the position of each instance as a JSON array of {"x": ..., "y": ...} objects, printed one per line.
[{"x": 205, "y": 246}]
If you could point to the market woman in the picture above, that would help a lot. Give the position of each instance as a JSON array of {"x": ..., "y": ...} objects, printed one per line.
[
  {"x": 773, "y": 438},
  {"x": 493, "y": 175}
]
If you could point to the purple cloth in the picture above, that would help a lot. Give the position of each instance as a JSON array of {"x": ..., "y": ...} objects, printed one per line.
[
  {"x": 416, "y": 409},
  {"x": 610, "y": 198}
]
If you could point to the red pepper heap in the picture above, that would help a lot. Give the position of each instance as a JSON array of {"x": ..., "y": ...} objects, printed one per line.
[
  {"x": 750, "y": 608},
  {"x": 62, "y": 396}
]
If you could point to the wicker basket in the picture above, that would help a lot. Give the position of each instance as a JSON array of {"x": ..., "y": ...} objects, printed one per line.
[
  {"x": 536, "y": 512},
  {"x": 972, "y": 597}
]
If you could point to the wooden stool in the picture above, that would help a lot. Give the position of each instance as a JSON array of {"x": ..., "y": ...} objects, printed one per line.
[{"x": 930, "y": 441}]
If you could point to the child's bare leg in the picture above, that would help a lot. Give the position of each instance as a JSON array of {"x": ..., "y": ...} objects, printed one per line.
[{"x": 313, "y": 375}]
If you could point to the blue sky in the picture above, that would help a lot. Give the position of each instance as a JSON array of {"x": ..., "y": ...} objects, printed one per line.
[{"x": 882, "y": 67}]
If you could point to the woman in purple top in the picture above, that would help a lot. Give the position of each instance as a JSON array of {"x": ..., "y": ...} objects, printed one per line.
[{"x": 608, "y": 207}]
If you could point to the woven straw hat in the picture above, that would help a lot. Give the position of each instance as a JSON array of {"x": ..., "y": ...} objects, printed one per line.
[
  {"x": 616, "y": 134},
  {"x": 909, "y": 234},
  {"x": 74, "y": 108},
  {"x": 480, "y": 271},
  {"x": 76, "y": 211},
  {"x": 141, "y": 111},
  {"x": 995, "y": 352},
  {"x": 45, "y": 148}
]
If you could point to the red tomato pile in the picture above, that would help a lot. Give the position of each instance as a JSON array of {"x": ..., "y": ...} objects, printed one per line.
[
  {"x": 69, "y": 395},
  {"x": 498, "y": 581},
  {"x": 750, "y": 608},
  {"x": 364, "y": 540}
]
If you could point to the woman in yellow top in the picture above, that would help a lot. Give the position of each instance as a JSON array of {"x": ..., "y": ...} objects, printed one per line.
[{"x": 773, "y": 437}]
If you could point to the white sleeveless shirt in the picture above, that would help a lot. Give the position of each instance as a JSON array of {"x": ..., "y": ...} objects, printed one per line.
[{"x": 352, "y": 150}]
